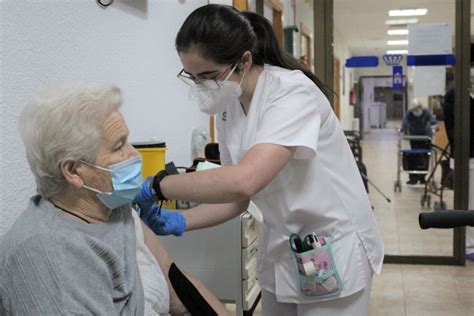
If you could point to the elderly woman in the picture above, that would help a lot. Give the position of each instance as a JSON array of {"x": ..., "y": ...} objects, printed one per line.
[
  {"x": 78, "y": 248},
  {"x": 419, "y": 121}
]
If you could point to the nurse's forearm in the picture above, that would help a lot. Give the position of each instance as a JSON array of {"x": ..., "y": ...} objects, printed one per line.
[
  {"x": 230, "y": 183},
  {"x": 208, "y": 215},
  {"x": 220, "y": 185}
]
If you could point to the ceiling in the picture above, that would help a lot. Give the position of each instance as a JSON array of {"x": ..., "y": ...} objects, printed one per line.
[{"x": 361, "y": 23}]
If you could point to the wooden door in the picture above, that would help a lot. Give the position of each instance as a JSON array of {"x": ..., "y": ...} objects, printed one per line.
[
  {"x": 241, "y": 5},
  {"x": 277, "y": 20}
]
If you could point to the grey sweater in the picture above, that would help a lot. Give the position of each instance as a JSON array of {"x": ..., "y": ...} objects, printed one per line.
[{"x": 55, "y": 264}]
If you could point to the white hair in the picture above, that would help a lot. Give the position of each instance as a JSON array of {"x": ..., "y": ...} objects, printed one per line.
[
  {"x": 415, "y": 103},
  {"x": 64, "y": 124}
]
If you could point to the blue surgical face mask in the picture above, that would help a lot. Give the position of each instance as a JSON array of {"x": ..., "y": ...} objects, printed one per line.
[{"x": 126, "y": 180}]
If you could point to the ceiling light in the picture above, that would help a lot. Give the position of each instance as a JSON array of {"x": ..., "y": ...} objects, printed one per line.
[
  {"x": 398, "y": 42},
  {"x": 398, "y": 51},
  {"x": 408, "y": 12},
  {"x": 397, "y": 32},
  {"x": 401, "y": 21}
]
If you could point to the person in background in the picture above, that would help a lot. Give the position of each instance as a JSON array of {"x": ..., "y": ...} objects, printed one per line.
[
  {"x": 281, "y": 146},
  {"x": 419, "y": 121},
  {"x": 79, "y": 248},
  {"x": 448, "y": 112}
]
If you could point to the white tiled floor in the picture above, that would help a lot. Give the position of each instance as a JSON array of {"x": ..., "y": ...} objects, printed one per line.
[
  {"x": 410, "y": 289},
  {"x": 398, "y": 220},
  {"x": 423, "y": 290}
]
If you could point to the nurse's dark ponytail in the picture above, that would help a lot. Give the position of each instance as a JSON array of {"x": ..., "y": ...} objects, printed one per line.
[
  {"x": 270, "y": 52},
  {"x": 222, "y": 34}
]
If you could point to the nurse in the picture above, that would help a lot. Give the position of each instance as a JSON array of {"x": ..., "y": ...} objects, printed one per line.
[{"x": 283, "y": 148}]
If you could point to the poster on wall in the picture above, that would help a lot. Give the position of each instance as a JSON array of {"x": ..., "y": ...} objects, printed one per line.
[
  {"x": 429, "y": 81},
  {"x": 429, "y": 39}
]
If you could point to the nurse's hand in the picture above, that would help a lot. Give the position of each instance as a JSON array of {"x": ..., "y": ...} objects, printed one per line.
[
  {"x": 168, "y": 223},
  {"x": 145, "y": 197}
]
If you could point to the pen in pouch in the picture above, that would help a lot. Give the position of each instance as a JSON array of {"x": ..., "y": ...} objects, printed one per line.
[
  {"x": 312, "y": 242},
  {"x": 316, "y": 240}
]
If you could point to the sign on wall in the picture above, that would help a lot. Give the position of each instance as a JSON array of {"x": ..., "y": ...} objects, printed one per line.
[
  {"x": 397, "y": 70},
  {"x": 397, "y": 77}
]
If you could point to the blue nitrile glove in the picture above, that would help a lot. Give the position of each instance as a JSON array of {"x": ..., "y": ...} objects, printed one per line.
[
  {"x": 145, "y": 197},
  {"x": 166, "y": 224}
]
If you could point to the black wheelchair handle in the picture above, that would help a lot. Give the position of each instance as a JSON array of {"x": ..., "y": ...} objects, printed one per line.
[{"x": 446, "y": 219}]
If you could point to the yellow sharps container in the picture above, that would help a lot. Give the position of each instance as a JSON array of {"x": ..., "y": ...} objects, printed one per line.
[{"x": 153, "y": 155}]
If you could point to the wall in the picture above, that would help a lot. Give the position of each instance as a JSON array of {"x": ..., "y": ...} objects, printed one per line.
[
  {"x": 130, "y": 44},
  {"x": 268, "y": 10},
  {"x": 342, "y": 52},
  {"x": 368, "y": 84},
  {"x": 252, "y": 5},
  {"x": 224, "y": 2},
  {"x": 381, "y": 70}
]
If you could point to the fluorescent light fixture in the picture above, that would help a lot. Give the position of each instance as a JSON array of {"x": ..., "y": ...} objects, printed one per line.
[
  {"x": 397, "y": 51},
  {"x": 397, "y": 42},
  {"x": 408, "y": 12},
  {"x": 397, "y": 32},
  {"x": 401, "y": 21}
]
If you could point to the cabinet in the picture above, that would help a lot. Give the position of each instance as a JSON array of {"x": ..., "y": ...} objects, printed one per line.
[
  {"x": 224, "y": 258},
  {"x": 378, "y": 114}
]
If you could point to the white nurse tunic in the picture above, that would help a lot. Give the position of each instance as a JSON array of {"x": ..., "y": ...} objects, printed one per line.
[{"x": 319, "y": 190}]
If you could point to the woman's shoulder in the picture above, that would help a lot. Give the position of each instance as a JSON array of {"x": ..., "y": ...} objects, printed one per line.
[
  {"x": 30, "y": 235},
  {"x": 291, "y": 82},
  {"x": 41, "y": 227},
  {"x": 46, "y": 248},
  {"x": 40, "y": 251},
  {"x": 288, "y": 77},
  {"x": 287, "y": 87}
]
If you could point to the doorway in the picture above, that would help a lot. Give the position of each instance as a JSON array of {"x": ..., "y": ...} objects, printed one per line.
[{"x": 405, "y": 241}]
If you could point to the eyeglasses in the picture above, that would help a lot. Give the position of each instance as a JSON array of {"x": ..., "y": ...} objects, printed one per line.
[{"x": 190, "y": 80}]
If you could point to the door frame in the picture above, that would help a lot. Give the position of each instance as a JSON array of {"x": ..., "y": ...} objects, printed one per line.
[
  {"x": 277, "y": 20},
  {"x": 323, "y": 25},
  {"x": 337, "y": 88}
]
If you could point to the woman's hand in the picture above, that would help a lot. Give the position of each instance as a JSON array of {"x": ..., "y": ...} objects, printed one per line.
[
  {"x": 145, "y": 198},
  {"x": 164, "y": 222}
]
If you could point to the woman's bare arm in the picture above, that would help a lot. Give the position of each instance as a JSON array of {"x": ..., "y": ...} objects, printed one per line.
[{"x": 165, "y": 261}]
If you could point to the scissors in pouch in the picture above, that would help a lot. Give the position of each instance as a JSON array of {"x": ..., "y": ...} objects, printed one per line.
[{"x": 297, "y": 244}]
